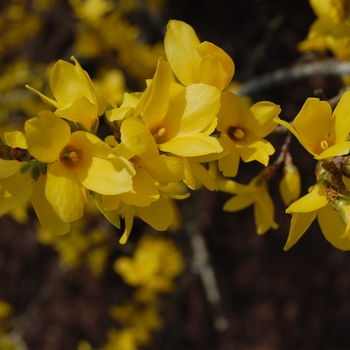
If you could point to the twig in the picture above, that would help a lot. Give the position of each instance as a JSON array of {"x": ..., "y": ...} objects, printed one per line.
[
  {"x": 286, "y": 75},
  {"x": 202, "y": 266}
]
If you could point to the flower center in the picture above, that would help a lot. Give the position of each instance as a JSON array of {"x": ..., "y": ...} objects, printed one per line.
[
  {"x": 159, "y": 135},
  {"x": 71, "y": 156},
  {"x": 235, "y": 133},
  {"x": 324, "y": 144}
]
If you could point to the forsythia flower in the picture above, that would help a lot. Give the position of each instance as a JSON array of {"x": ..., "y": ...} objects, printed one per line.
[
  {"x": 329, "y": 131},
  {"x": 77, "y": 162},
  {"x": 243, "y": 132},
  {"x": 256, "y": 192},
  {"x": 155, "y": 263},
  {"x": 75, "y": 95},
  {"x": 315, "y": 205}
]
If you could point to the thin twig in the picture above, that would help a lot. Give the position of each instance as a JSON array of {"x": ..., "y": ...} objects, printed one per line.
[
  {"x": 287, "y": 75},
  {"x": 202, "y": 266}
]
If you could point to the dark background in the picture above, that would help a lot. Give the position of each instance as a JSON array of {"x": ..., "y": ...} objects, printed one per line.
[{"x": 271, "y": 299}]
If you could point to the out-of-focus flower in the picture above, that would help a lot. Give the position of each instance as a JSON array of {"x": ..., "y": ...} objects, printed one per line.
[{"x": 154, "y": 265}]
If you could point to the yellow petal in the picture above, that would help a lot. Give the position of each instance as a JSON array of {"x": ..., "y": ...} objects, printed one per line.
[
  {"x": 82, "y": 112},
  {"x": 315, "y": 115},
  {"x": 314, "y": 200},
  {"x": 259, "y": 119},
  {"x": 207, "y": 48},
  {"x": 203, "y": 176},
  {"x": 180, "y": 47},
  {"x": 64, "y": 192},
  {"x": 264, "y": 211},
  {"x": 128, "y": 216},
  {"x": 106, "y": 176},
  {"x": 8, "y": 168},
  {"x": 69, "y": 84},
  {"x": 213, "y": 72},
  {"x": 192, "y": 145},
  {"x": 230, "y": 163},
  {"x": 164, "y": 168},
  {"x": 43, "y": 97},
  {"x": 231, "y": 109},
  {"x": 159, "y": 214},
  {"x": 44, "y": 210},
  {"x": 46, "y": 136},
  {"x": 299, "y": 224},
  {"x": 198, "y": 105},
  {"x": 341, "y": 121},
  {"x": 14, "y": 190},
  {"x": 332, "y": 228},
  {"x": 239, "y": 202},
  {"x": 15, "y": 139},
  {"x": 250, "y": 149},
  {"x": 337, "y": 150},
  {"x": 143, "y": 192},
  {"x": 156, "y": 97},
  {"x": 138, "y": 139}
]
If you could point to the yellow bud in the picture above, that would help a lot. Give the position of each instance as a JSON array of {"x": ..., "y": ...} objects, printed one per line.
[{"x": 290, "y": 184}]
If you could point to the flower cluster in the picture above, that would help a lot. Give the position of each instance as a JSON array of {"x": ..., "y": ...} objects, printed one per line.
[
  {"x": 331, "y": 29},
  {"x": 162, "y": 140}
]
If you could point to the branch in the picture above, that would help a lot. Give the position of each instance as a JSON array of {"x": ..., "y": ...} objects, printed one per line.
[{"x": 286, "y": 75}]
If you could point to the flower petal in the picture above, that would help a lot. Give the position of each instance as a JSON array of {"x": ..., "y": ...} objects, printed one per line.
[
  {"x": 192, "y": 145},
  {"x": 46, "y": 136},
  {"x": 156, "y": 96},
  {"x": 44, "y": 209},
  {"x": 315, "y": 115},
  {"x": 137, "y": 138},
  {"x": 180, "y": 47},
  {"x": 159, "y": 214},
  {"x": 14, "y": 190},
  {"x": 82, "y": 112},
  {"x": 333, "y": 228},
  {"x": 338, "y": 149},
  {"x": 198, "y": 105},
  {"x": 341, "y": 121},
  {"x": 299, "y": 224},
  {"x": 64, "y": 192},
  {"x": 314, "y": 200},
  {"x": 250, "y": 149},
  {"x": 231, "y": 109},
  {"x": 239, "y": 202}
]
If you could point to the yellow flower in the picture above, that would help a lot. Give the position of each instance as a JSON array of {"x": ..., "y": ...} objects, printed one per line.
[
  {"x": 195, "y": 62},
  {"x": 256, "y": 193},
  {"x": 315, "y": 205},
  {"x": 77, "y": 162},
  {"x": 322, "y": 133},
  {"x": 179, "y": 124},
  {"x": 154, "y": 265},
  {"x": 242, "y": 133},
  {"x": 330, "y": 30},
  {"x": 75, "y": 95}
]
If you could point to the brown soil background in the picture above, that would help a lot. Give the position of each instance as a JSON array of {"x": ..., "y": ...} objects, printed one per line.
[{"x": 271, "y": 299}]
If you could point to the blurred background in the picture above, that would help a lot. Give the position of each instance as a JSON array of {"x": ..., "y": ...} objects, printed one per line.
[{"x": 62, "y": 293}]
